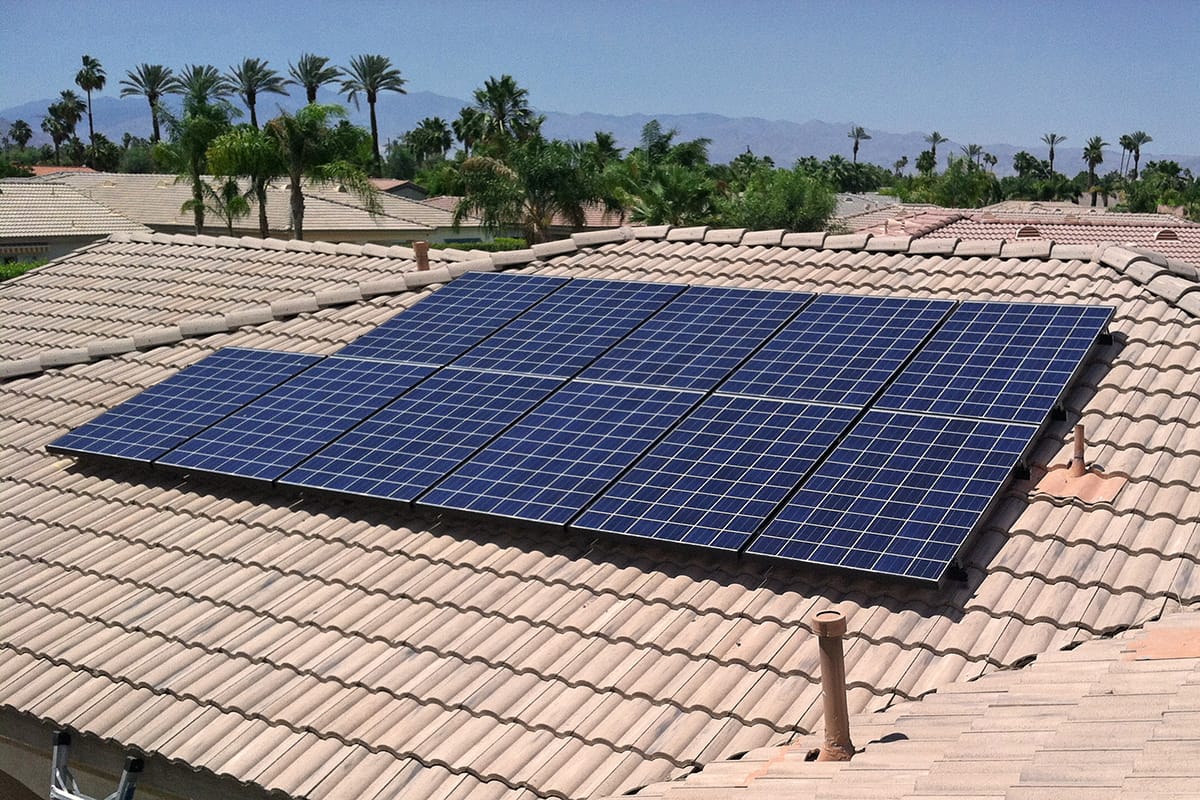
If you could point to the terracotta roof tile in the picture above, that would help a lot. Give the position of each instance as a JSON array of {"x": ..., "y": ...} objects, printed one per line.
[{"x": 278, "y": 639}]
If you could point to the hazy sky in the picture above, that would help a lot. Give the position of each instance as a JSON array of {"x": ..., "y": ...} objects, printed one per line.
[{"x": 982, "y": 71}]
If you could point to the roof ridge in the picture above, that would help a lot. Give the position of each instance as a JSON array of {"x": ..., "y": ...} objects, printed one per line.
[{"x": 1158, "y": 280}]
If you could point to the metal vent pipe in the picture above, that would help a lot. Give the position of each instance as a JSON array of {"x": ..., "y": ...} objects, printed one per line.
[{"x": 830, "y": 626}]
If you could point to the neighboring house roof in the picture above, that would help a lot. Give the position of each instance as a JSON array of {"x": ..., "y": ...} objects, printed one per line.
[
  {"x": 43, "y": 170},
  {"x": 1113, "y": 718},
  {"x": 416, "y": 211},
  {"x": 32, "y": 209},
  {"x": 392, "y": 184},
  {"x": 596, "y": 215},
  {"x": 892, "y": 217},
  {"x": 156, "y": 200},
  {"x": 326, "y": 648},
  {"x": 853, "y": 203},
  {"x": 1179, "y": 240}
]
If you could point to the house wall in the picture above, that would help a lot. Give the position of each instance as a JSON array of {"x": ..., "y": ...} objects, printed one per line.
[{"x": 42, "y": 249}]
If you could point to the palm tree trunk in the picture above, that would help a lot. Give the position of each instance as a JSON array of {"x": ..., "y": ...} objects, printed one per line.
[
  {"x": 375, "y": 139},
  {"x": 91, "y": 128},
  {"x": 297, "y": 202},
  {"x": 311, "y": 93},
  {"x": 253, "y": 117},
  {"x": 260, "y": 194},
  {"x": 154, "y": 122}
]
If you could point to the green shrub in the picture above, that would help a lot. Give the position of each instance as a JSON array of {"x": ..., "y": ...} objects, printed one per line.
[{"x": 499, "y": 244}]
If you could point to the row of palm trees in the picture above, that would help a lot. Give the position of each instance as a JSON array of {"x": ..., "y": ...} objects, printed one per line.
[
  {"x": 1131, "y": 144},
  {"x": 366, "y": 76}
]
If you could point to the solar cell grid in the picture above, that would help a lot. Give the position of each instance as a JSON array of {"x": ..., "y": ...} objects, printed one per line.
[
  {"x": 274, "y": 433},
  {"x": 565, "y": 332},
  {"x": 453, "y": 319},
  {"x": 409, "y": 445},
  {"x": 697, "y": 338},
  {"x": 166, "y": 414},
  {"x": 839, "y": 349},
  {"x": 899, "y": 495},
  {"x": 555, "y": 460},
  {"x": 1006, "y": 361},
  {"x": 716, "y": 477}
]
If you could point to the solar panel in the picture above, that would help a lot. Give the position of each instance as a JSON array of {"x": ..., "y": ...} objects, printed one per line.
[
  {"x": 716, "y": 477},
  {"x": 1007, "y": 361},
  {"x": 453, "y": 319},
  {"x": 411, "y": 443},
  {"x": 839, "y": 349},
  {"x": 554, "y": 461},
  {"x": 151, "y": 423},
  {"x": 899, "y": 495},
  {"x": 274, "y": 433},
  {"x": 565, "y": 332},
  {"x": 697, "y": 338}
]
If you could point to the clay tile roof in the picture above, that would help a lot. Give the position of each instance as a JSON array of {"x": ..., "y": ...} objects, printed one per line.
[
  {"x": 1181, "y": 240},
  {"x": 323, "y": 648},
  {"x": 1112, "y": 718},
  {"x": 35, "y": 210},
  {"x": 156, "y": 200}
]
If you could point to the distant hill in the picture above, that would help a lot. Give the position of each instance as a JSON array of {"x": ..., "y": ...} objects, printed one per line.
[{"x": 782, "y": 140}]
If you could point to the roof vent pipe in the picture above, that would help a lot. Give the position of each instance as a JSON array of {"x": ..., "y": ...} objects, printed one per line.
[
  {"x": 1078, "y": 469},
  {"x": 422, "y": 251},
  {"x": 830, "y": 626}
]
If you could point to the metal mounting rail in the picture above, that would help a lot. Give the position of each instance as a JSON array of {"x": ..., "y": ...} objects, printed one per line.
[{"x": 62, "y": 782}]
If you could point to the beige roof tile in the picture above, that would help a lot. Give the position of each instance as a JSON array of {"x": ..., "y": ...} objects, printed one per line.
[{"x": 524, "y": 664}]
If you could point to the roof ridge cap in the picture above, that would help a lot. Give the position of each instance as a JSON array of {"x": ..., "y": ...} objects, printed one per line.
[{"x": 381, "y": 213}]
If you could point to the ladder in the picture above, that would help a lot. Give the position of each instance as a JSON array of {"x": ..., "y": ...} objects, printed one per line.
[{"x": 62, "y": 782}]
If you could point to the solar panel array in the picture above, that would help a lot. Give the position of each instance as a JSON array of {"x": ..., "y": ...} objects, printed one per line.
[{"x": 864, "y": 433}]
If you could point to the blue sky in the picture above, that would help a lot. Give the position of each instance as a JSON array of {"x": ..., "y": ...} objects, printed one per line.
[{"x": 1000, "y": 71}]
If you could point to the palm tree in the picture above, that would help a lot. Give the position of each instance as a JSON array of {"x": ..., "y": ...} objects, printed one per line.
[
  {"x": 1138, "y": 138},
  {"x": 70, "y": 109},
  {"x": 56, "y": 129},
  {"x": 505, "y": 107},
  {"x": 21, "y": 133},
  {"x": 973, "y": 152},
  {"x": 200, "y": 82},
  {"x": 858, "y": 134},
  {"x": 539, "y": 181},
  {"x": 251, "y": 78},
  {"x": 226, "y": 200},
  {"x": 186, "y": 153},
  {"x": 431, "y": 137},
  {"x": 91, "y": 78},
  {"x": 934, "y": 139},
  {"x": 151, "y": 81},
  {"x": 1052, "y": 139},
  {"x": 310, "y": 151},
  {"x": 469, "y": 128},
  {"x": 1126, "y": 142},
  {"x": 369, "y": 75},
  {"x": 312, "y": 72},
  {"x": 251, "y": 153},
  {"x": 900, "y": 164},
  {"x": 1093, "y": 154}
]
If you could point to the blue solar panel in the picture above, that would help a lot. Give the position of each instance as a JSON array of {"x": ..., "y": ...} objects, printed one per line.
[
  {"x": 1007, "y": 361},
  {"x": 900, "y": 494},
  {"x": 554, "y": 461},
  {"x": 839, "y": 349},
  {"x": 283, "y": 427},
  {"x": 453, "y": 319},
  {"x": 409, "y": 445},
  {"x": 151, "y": 423},
  {"x": 565, "y": 332},
  {"x": 716, "y": 477},
  {"x": 697, "y": 338}
]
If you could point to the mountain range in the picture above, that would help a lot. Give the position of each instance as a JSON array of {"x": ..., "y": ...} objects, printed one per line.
[{"x": 782, "y": 140}]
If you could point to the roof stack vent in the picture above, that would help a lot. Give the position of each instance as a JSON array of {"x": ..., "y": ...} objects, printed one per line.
[
  {"x": 422, "y": 251},
  {"x": 1078, "y": 468},
  {"x": 830, "y": 626},
  {"x": 1166, "y": 235}
]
